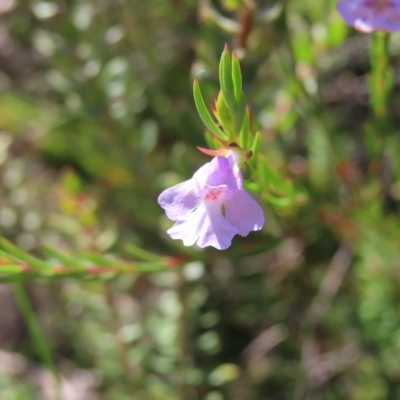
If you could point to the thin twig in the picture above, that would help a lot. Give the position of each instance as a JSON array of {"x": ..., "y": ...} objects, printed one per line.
[
  {"x": 38, "y": 340},
  {"x": 330, "y": 283}
]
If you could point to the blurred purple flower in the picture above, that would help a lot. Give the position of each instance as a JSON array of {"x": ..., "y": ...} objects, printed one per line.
[
  {"x": 371, "y": 15},
  {"x": 212, "y": 207}
]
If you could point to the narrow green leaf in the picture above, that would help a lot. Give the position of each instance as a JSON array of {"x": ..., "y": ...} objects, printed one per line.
[
  {"x": 240, "y": 113},
  {"x": 11, "y": 269},
  {"x": 253, "y": 187},
  {"x": 98, "y": 259},
  {"x": 204, "y": 113},
  {"x": 66, "y": 260},
  {"x": 236, "y": 78},
  {"x": 142, "y": 254},
  {"x": 244, "y": 134},
  {"x": 255, "y": 148},
  {"x": 223, "y": 115},
  {"x": 225, "y": 78},
  {"x": 18, "y": 277},
  {"x": 264, "y": 172},
  {"x": 12, "y": 259},
  {"x": 39, "y": 342},
  {"x": 289, "y": 188},
  {"x": 270, "y": 178},
  {"x": 281, "y": 202},
  {"x": 22, "y": 255}
]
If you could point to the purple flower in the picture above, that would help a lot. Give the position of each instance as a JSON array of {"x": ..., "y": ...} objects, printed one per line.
[
  {"x": 212, "y": 207},
  {"x": 371, "y": 15}
]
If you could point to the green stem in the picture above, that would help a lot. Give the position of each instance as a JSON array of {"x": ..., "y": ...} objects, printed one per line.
[
  {"x": 381, "y": 79},
  {"x": 380, "y": 83},
  {"x": 35, "y": 332}
]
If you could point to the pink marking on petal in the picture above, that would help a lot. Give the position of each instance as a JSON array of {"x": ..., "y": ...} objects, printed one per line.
[
  {"x": 379, "y": 6},
  {"x": 213, "y": 194}
]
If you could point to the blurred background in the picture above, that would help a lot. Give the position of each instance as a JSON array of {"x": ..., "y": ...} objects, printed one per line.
[{"x": 97, "y": 118}]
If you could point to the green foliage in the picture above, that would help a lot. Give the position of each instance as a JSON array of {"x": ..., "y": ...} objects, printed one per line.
[{"x": 204, "y": 114}]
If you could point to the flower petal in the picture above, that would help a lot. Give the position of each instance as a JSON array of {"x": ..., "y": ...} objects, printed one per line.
[
  {"x": 201, "y": 175},
  {"x": 219, "y": 173},
  {"x": 180, "y": 199},
  {"x": 351, "y": 11},
  {"x": 243, "y": 212},
  {"x": 367, "y": 18},
  {"x": 388, "y": 21},
  {"x": 235, "y": 170},
  {"x": 206, "y": 226}
]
